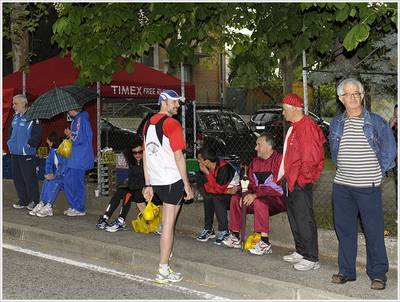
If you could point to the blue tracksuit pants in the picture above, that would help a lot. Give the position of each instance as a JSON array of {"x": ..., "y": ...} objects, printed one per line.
[
  {"x": 348, "y": 202},
  {"x": 25, "y": 178},
  {"x": 50, "y": 189},
  {"x": 74, "y": 186}
]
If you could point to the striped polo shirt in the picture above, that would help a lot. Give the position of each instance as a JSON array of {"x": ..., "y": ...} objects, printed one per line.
[{"x": 357, "y": 164}]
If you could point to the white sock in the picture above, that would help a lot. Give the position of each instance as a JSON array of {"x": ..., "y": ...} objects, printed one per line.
[{"x": 163, "y": 268}]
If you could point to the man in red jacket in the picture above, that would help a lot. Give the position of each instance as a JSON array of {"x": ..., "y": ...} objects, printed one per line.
[
  {"x": 301, "y": 164},
  {"x": 264, "y": 197},
  {"x": 221, "y": 181}
]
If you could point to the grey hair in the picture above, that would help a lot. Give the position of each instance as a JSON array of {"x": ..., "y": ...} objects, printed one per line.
[
  {"x": 269, "y": 139},
  {"x": 298, "y": 108},
  {"x": 22, "y": 98},
  {"x": 349, "y": 82}
]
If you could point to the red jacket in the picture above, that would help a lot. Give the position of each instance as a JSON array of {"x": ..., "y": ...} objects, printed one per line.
[
  {"x": 218, "y": 180},
  {"x": 305, "y": 154}
]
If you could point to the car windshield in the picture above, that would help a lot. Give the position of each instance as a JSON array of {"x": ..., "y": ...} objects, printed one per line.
[
  {"x": 208, "y": 121},
  {"x": 263, "y": 118},
  {"x": 105, "y": 126},
  {"x": 239, "y": 123}
]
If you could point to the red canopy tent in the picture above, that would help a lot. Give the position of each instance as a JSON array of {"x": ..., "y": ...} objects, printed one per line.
[{"x": 144, "y": 85}]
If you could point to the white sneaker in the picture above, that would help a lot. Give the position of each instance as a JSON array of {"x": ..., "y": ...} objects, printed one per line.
[
  {"x": 36, "y": 209},
  {"x": 67, "y": 211},
  {"x": 293, "y": 258},
  {"x": 159, "y": 230},
  {"x": 261, "y": 248},
  {"x": 306, "y": 265},
  {"x": 232, "y": 241},
  {"x": 72, "y": 212},
  {"x": 30, "y": 206},
  {"x": 45, "y": 211}
]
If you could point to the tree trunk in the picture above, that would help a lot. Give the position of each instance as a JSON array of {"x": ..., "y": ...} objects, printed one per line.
[{"x": 19, "y": 37}]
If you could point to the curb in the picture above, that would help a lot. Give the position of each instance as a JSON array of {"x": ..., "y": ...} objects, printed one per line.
[{"x": 196, "y": 272}]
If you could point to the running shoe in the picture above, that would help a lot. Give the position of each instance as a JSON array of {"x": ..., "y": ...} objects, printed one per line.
[
  {"x": 102, "y": 223},
  {"x": 31, "y": 206},
  {"x": 261, "y": 248},
  {"x": 72, "y": 212},
  {"x": 205, "y": 235},
  {"x": 169, "y": 277},
  {"x": 222, "y": 236},
  {"x": 293, "y": 257},
  {"x": 159, "y": 230},
  {"x": 47, "y": 210},
  {"x": 232, "y": 241},
  {"x": 118, "y": 225},
  {"x": 36, "y": 209}
]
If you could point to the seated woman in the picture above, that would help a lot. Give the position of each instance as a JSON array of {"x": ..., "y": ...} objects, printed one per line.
[
  {"x": 133, "y": 153},
  {"x": 54, "y": 177}
]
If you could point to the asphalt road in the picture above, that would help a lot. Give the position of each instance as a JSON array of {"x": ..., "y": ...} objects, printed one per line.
[{"x": 40, "y": 274}]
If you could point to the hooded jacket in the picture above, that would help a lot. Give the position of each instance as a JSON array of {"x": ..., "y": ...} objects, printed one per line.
[
  {"x": 82, "y": 157},
  {"x": 223, "y": 177},
  {"x": 305, "y": 154}
]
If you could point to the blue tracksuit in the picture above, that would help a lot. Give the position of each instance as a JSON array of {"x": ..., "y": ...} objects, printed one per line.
[
  {"x": 23, "y": 138},
  {"x": 56, "y": 165},
  {"x": 81, "y": 159}
]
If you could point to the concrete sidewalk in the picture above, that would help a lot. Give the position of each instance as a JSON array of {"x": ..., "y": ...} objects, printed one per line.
[{"x": 256, "y": 277}]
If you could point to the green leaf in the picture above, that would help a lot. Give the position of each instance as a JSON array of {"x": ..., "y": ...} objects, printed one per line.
[
  {"x": 250, "y": 68},
  {"x": 350, "y": 41},
  {"x": 361, "y": 32},
  {"x": 342, "y": 15},
  {"x": 130, "y": 68},
  {"x": 193, "y": 59},
  {"x": 272, "y": 36}
]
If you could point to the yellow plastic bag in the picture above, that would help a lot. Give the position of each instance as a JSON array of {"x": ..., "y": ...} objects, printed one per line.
[
  {"x": 65, "y": 148},
  {"x": 155, "y": 222},
  {"x": 140, "y": 224},
  {"x": 150, "y": 211},
  {"x": 252, "y": 241}
]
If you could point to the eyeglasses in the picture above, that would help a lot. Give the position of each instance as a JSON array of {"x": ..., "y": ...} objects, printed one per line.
[
  {"x": 356, "y": 95},
  {"x": 137, "y": 152}
]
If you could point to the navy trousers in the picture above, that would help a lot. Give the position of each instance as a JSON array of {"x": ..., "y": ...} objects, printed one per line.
[
  {"x": 348, "y": 202},
  {"x": 25, "y": 178}
]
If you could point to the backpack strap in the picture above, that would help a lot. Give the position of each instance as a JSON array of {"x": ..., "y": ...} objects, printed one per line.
[{"x": 159, "y": 125}]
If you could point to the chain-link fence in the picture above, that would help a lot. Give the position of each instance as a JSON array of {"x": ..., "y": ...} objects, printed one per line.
[
  {"x": 230, "y": 122},
  {"x": 220, "y": 121}
]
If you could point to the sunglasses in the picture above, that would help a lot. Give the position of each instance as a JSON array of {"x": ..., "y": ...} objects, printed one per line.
[{"x": 137, "y": 152}]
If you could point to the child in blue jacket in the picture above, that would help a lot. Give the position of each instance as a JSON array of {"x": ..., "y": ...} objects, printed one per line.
[{"x": 54, "y": 177}]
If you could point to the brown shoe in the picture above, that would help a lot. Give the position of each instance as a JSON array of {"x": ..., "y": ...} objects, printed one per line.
[
  {"x": 378, "y": 284},
  {"x": 340, "y": 279}
]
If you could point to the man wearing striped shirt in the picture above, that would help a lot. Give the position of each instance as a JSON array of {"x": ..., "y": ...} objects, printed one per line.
[{"x": 363, "y": 149}]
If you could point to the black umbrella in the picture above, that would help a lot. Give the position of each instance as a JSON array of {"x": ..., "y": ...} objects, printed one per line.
[{"x": 60, "y": 100}]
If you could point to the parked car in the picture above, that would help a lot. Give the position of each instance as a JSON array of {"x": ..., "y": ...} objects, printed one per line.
[
  {"x": 115, "y": 137},
  {"x": 218, "y": 127},
  {"x": 271, "y": 120}
]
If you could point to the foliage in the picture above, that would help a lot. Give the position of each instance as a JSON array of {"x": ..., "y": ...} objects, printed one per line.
[
  {"x": 290, "y": 28},
  {"x": 97, "y": 34},
  {"x": 26, "y": 17}
]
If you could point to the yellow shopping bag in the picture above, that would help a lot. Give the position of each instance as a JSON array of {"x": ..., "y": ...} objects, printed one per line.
[
  {"x": 150, "y": 211},
  {"x": 65, "y": 148},
  {"x": 252, "y": 241},
  {"x": 140, "y": 224},
  {"x": 155, "y": 222}
]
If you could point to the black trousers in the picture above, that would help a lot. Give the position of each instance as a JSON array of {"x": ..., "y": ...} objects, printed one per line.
[
  {"x": 218, "y": 204},
  {"x": 299, "y": 207},
  {"x": 25, "y": 178}
]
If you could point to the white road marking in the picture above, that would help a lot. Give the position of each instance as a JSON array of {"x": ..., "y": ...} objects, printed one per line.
[{"x": 104, "y": 270}]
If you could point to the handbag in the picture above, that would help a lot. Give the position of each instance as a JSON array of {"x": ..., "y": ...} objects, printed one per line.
[
  {"x": 150, "y": 211},
  {"x": 140, "y": 224},
  {"x": 252, "y": 240},
  {"x": 65, "y": 148}
]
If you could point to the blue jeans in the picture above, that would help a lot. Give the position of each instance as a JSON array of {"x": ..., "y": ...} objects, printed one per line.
[{"x": 348, "y": 202}]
